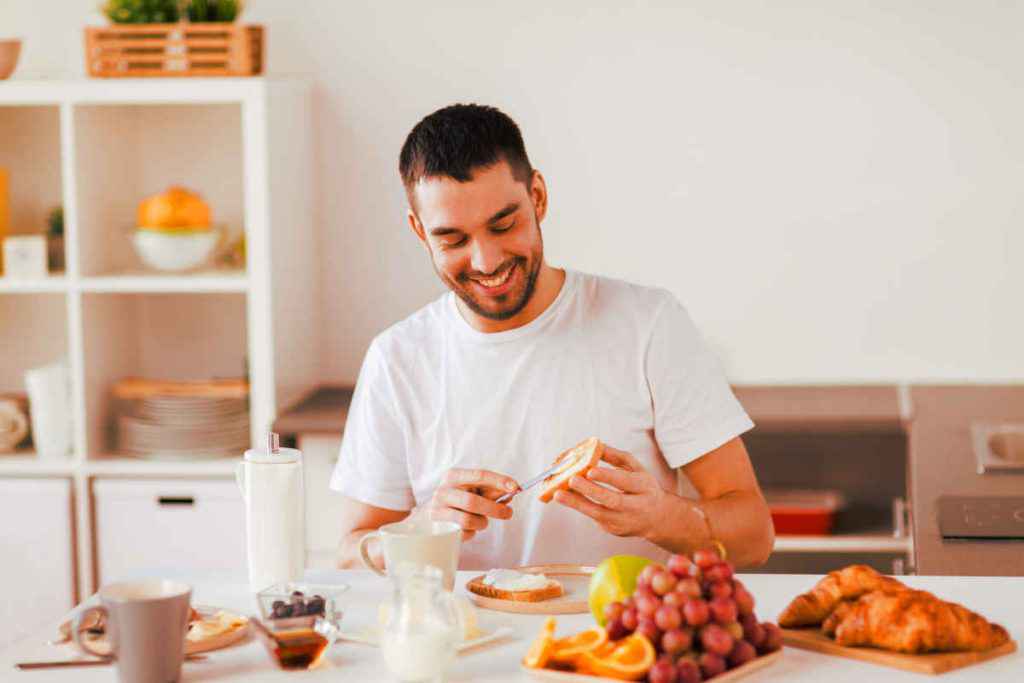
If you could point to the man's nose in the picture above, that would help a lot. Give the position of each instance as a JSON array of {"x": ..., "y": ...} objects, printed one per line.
[{"x": 486, "y": 256}]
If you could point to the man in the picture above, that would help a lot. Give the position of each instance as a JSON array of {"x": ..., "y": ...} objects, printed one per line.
[{"x": 485, "y": 386}]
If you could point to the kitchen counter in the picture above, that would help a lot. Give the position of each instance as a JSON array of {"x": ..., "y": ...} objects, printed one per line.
[
  {"x": 996, "y": 598},
  {"x": 861, "y": 408},
  {"x": 870, "y": 408},
  {"x": 322, "y": 411},
  {"x": 942, "y": 462}
]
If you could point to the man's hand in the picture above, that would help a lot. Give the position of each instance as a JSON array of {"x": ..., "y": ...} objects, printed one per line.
[
  {"x": 629, "y": 508},
  {"x": 466, "y": 497},
  {"x": 731, "y": 508}
]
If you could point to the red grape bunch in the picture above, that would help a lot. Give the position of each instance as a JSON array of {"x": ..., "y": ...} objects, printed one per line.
[{"x": 698, "y": 616}]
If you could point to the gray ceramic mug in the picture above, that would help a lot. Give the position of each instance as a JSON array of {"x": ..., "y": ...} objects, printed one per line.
[{"x": 146, "y": 623}]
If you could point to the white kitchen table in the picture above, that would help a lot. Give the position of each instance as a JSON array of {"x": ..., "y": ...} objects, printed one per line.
[{"x": 999, "y": 599}]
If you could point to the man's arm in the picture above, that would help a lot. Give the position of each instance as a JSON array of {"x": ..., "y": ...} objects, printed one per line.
[
  {"x": 359, "y": 519},
  {"x": 731, "y": 508},
  {"x": 737, "y": 513}
]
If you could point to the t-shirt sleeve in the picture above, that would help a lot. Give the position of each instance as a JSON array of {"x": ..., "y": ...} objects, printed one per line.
[
  {"x": 372, "y": 465},
  {"x": 695, "y": 410}
]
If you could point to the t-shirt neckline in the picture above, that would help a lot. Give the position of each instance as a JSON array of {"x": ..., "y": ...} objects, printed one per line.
[{"x": 467, "y": 331}]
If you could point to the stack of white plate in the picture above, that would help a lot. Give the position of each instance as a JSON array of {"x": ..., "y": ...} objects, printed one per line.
[{"x": 185, "y": 428}]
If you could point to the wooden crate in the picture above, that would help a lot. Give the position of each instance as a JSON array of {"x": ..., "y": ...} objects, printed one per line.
[{"x": 208, "y": 49}]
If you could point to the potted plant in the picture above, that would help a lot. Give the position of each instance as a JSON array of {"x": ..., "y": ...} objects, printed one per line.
[
  {"x": 170, "y": 11},
  {"x": 213, "y": 10},
  {"x": 55, "y": 238},
  {"x": 182, "y": 38},
  {"x": 142, "y": 11}
]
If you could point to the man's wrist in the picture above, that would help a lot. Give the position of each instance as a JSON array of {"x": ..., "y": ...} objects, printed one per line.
[
  {"x": 663, "y": 519},
  {"x": 678, "y": 525}
]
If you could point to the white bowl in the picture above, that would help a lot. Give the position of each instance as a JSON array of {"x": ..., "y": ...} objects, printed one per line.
[{"x": 175, "y": 251}]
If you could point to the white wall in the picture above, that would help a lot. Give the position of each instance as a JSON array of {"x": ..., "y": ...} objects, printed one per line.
[{"x": 834, "y": 189}]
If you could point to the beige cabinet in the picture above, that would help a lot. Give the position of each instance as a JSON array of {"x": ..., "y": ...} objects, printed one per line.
[
  {"x": 36, "y": 543},
  {"x": 168, "y": 527}
]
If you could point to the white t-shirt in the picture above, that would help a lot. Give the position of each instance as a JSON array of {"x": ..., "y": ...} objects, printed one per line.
[{"x": 607, "y": 358}]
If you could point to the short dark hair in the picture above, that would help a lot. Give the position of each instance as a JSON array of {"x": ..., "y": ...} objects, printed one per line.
[{"x": 459, "y": 138}]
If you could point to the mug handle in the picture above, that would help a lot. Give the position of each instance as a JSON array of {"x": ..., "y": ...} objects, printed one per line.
[
  {"x": 76, "y": 633},
  {"x": 364, "y": 552}
]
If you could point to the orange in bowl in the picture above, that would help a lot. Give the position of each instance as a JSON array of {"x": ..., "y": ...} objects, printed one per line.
[{"x": 174, "y": 210}]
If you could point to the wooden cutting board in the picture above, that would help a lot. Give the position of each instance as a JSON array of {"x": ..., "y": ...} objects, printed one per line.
[
  {"x": 935, "y": 663},
  {"x": 575, "y": 580},
  {"x": 570, "y": 677}
]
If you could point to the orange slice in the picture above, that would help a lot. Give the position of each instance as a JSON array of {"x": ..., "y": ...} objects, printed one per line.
[
  {"x": 628, "y": 659},
  {"x": 539, "y": 654},
  {"x": 567, "y": 650}
]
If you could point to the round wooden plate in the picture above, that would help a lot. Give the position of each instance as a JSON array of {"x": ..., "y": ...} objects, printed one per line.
[{"x": 575, "y": 580}]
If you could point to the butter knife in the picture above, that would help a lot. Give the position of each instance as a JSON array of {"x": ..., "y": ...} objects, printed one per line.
[{"x": 531, "y": 483}]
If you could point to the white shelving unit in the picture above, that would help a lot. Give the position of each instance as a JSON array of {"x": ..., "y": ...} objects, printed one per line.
[{"x": 98, "y": 147}]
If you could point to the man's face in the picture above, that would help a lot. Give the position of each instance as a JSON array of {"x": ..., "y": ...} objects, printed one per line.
[{"x": 483, "y": 237}]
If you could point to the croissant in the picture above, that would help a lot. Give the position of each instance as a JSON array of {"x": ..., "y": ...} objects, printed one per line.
[
  {"x": 811, "y": 608},
  {"x": 831, "y": 623},
  {"x": 913, "y": 622}
]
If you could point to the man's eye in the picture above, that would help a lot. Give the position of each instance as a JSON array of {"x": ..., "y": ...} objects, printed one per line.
[
  {"x": 504, "y": 228},
  {"x": 454, "y": 243}
]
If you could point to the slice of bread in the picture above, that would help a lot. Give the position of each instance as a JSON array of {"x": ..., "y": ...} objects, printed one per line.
[
  {"x": 577, "y": 460},
  {"x": 552, "y": 589}
]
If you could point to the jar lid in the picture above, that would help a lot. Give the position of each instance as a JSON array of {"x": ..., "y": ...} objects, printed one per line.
[
  {"x": 274, "y": 454},
  {"x": 282, "y": 457}
]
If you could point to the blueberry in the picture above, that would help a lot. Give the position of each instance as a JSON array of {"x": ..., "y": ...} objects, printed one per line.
[{"x": 315, "y": 605}]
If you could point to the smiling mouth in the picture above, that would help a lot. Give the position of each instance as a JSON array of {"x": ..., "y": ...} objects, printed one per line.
[{"x": 496, "y": 281}]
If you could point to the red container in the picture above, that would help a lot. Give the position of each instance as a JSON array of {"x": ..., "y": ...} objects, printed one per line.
[{"x": 803, "y": 512}]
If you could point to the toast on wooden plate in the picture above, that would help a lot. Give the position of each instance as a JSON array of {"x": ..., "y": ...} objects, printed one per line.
[
  {"x": 552, "y": 589},
  {"x": 577, "y": 460}
]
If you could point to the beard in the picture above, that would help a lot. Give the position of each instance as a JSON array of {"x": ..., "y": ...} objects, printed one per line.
[
  {"x": 509, "y": 304},
  {"x": 502, "y": 306}
]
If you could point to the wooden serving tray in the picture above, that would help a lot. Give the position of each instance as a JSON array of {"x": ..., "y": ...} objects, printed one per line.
[
  {"x": 934, "y": 663},
  {"x": 731, "y": 675},
  {"x": 575, "y": 580}
]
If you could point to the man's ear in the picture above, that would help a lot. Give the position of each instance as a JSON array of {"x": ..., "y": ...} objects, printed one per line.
[
  {"x": 539, "y": 195},
  {"x": 417, "y": 227}
]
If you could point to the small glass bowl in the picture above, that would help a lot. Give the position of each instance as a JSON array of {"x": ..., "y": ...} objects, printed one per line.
[
  {"x": 284, "y": 593},
  {"x": 300, "y": 641}
]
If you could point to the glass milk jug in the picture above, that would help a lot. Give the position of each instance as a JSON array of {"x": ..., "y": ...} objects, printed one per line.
[{"x": 423, "y": 627}]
